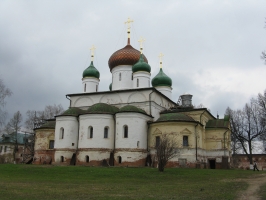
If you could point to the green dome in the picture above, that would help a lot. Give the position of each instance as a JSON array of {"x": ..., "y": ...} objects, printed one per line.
[
  {"x": 73, "y": 111},
  {"x": 141, "y": 65},
  {"x": 174, "y": 117},
  {"x": 110, "y": 87},
  {"x": 130, "y": 108},
  {"x": 91, "y": 71},
  {"x": 161, "y": 79},
  {"x": 102, "y": 108}
]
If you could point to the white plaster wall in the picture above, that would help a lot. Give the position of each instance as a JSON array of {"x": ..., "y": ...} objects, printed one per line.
[
  {"x": 70, "y": 125},
  {"x": 93, "y": 155},
  {"x": 129, "y": 156},
  {"x": 91, "y": 84},
  {"x": 137, "y": 130},
  {"x": 167, "y": 91},
  {"x": 98, "y": 122},
  {"x": 126, "y": 77},
  {"x": 144, "y": 79},
  {"x": 66, "y": 154}
]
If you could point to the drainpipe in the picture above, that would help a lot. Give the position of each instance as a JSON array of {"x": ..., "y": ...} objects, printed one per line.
[
  {"x": 196, "y": 142},
  {"x": 69, "y": 101},
  {"x": 150, "y": 101}
]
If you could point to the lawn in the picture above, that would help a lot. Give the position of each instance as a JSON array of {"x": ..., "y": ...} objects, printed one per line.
[{"x": 77, "y": 182}]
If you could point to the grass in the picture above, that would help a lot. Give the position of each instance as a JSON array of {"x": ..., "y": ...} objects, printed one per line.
[{"x": 77, "y": 182}]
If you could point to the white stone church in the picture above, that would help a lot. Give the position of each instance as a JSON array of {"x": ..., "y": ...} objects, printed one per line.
[{"x": 121, "y": 127}]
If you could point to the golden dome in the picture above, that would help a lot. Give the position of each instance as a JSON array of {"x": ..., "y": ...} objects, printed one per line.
[{"x": 125, "y": 56}]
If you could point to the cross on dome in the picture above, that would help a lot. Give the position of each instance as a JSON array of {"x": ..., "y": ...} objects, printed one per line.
[
  {"x": 92, "y": 52},
  {"x": 128, "y": 28},
  {"x": 161, "y": 62},
  {"x": 141, "y": 40}
]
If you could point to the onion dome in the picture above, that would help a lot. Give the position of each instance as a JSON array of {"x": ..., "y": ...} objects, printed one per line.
[
  {"x": 141, "y": 65},
  {"x": 175, "y": 117},
  {"x": 73, "y": 111},
  {"x": 102, "y": 108},
  {"x": 91, "y": 71},
  {"x": 130, "y": 108},
  {"x": 110, "y": 87},
  {"x": 161, "y": 79},
  {"x": 125, "y": 56}
]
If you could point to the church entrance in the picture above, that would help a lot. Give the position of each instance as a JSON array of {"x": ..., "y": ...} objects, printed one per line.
[{"x": 212, "y": 164}]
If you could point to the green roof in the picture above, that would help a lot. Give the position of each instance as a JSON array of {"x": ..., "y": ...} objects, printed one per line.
[
  {"x": 161, "y": 79},
  {"x": 218, "y": 123},
  {"x": 102, "y": 108},
  {"x": 130, "y": 108},
  {"x": 91, "y": 71},
  {"x": 73, "y": 111},
  {"x": 11, "y": 138},
  {"x": 174, "y": 117},
  {"x": 48, "y": 124},
  {"x": 141, "y": 65}
]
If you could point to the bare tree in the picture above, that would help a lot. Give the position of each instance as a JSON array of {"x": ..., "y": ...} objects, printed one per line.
[
  {"x": 12, "y": 128},
  {"x": 246, "y": 127},
  {"x": 4, "y": 92},
  {"x": 37, "y": 118},
  {"x": 166, "y": 149}
]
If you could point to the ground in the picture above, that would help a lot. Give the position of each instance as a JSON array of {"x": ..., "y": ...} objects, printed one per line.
[{"x": 254, "y": 182}]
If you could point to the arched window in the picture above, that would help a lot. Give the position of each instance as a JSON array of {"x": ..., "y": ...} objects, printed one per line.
[
  {"x": 105, "y": 132},
  {"x": 90, "y": 132},
  {"x": 120, "y": 76},
  {"x": 137, "y": 82},
  {"x": 61, "y": 136},
  {"x": 96, "y": 88},
  {"x": 62, "y": 159},
  {"x": 85, "y": 87},
  {"x": 87, "y": 158},
  {"x": 125, "y": 131},
  {"x": 119, "y": 159}
]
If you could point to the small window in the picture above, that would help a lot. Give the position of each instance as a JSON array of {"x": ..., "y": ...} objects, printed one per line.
[
  {"x": 51, "y": 144},
  {"x": 131, "y": 76},
  {"x": 73, "y": 144},
  {"x": 61, "y": 136},
  {"x": 105, "y": 132},
  {"x": 185, "y": 141},
  {"x": 119, "y": 159},
  {"x": 1, "y": 149},
  {"x": 158, "y": 139},
  {"x": 137, "y": 82},
  {"x": 62, "y": 159},
  {"x": 87, "y": 158},
  {"x": 138, "y": 144},
  {"x": 96, "y": 88},
  {"x": 125, "y": 131},
  {"x": 85, "y": 87},
  {"x": 5, "y": 148},
  {"x": 120, "y": 76},
  {"x": 90, "y": 134}
]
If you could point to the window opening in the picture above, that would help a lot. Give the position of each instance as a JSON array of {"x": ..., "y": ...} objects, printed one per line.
[
  {"x": 119, "y": 159},
  {"x": 185, "y": 141},
  {"x": 137, "y": 82},
  {"x": 61, "y": 133},
  {"x": 1, "y": 149},
  {"x": 51, "y": 144},
  {"x": 87, "y": 159},
  {"x": 5, "y": 148},
  {"x": 73, "y": 144},
  {"x": 85, "y": 87},
  {"x": 106, "y": 132},
  {"x": 120, "y": 77},
  {"x": 158, "y": 139},
  {"x": 125, "y": 131},
  {"x": 62, "y": 158},
  {"x": 91, "y": 132},
  {"x": 96, "y": 88},
  {"x": 138, "y": 144}
]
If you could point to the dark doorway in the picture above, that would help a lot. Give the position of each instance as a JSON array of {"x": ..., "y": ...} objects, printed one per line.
[
  {"x": 73, "y": 159},
  {"x": 212, "y": 164}
]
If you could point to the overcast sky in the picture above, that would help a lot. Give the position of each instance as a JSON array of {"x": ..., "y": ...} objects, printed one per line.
[{"x": 211, "y": 48}]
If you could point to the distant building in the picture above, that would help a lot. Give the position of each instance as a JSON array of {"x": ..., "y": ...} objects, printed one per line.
[{"x": 121, "y": 127}]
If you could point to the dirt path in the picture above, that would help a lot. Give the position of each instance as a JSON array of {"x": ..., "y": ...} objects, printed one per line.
[{"x": 254, "y": 185}]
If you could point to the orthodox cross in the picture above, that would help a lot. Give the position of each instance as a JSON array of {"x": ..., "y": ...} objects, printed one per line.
[
  {"x": 128, "y": 26},
  {"x": 161, "y": 62},
  {"x": 141, "y": 40},
  {"x": 92, "y": 52}
]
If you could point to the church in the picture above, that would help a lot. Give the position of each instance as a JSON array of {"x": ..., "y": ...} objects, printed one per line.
[{"x": 122, "y": 127}]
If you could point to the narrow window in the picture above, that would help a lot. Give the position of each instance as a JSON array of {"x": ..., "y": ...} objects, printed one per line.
[
  {"x": 87, "y": 159},
  {"x": 1, "y": 149},
  {"x": 125, "y": 131},
  {"x": 85, "y": 87},
  {"x": 185, "y": 141},
  {"x": 61, "y": 136},
  {"x": 96, "y": 88},
  {"x": 5, "y": 148},
  {"x": 51, "y": 144},
  {"x": 106, "y": 132},
  {"x": 157, "y": 141},
  {"x": 131, "y": 76},
  {"x": 73, "y": 144},
  {"x": 62, "y": 159},
  {"x": 138, "y": 144},
  {"x": 90, "y": 132},
  {"x": 137, "y": 82},
  {"x": 119, "y": 159},
  {"x": 120, "y": 77}
]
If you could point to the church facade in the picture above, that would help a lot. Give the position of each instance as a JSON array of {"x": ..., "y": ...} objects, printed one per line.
[{"x": 121, "y": 127}]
